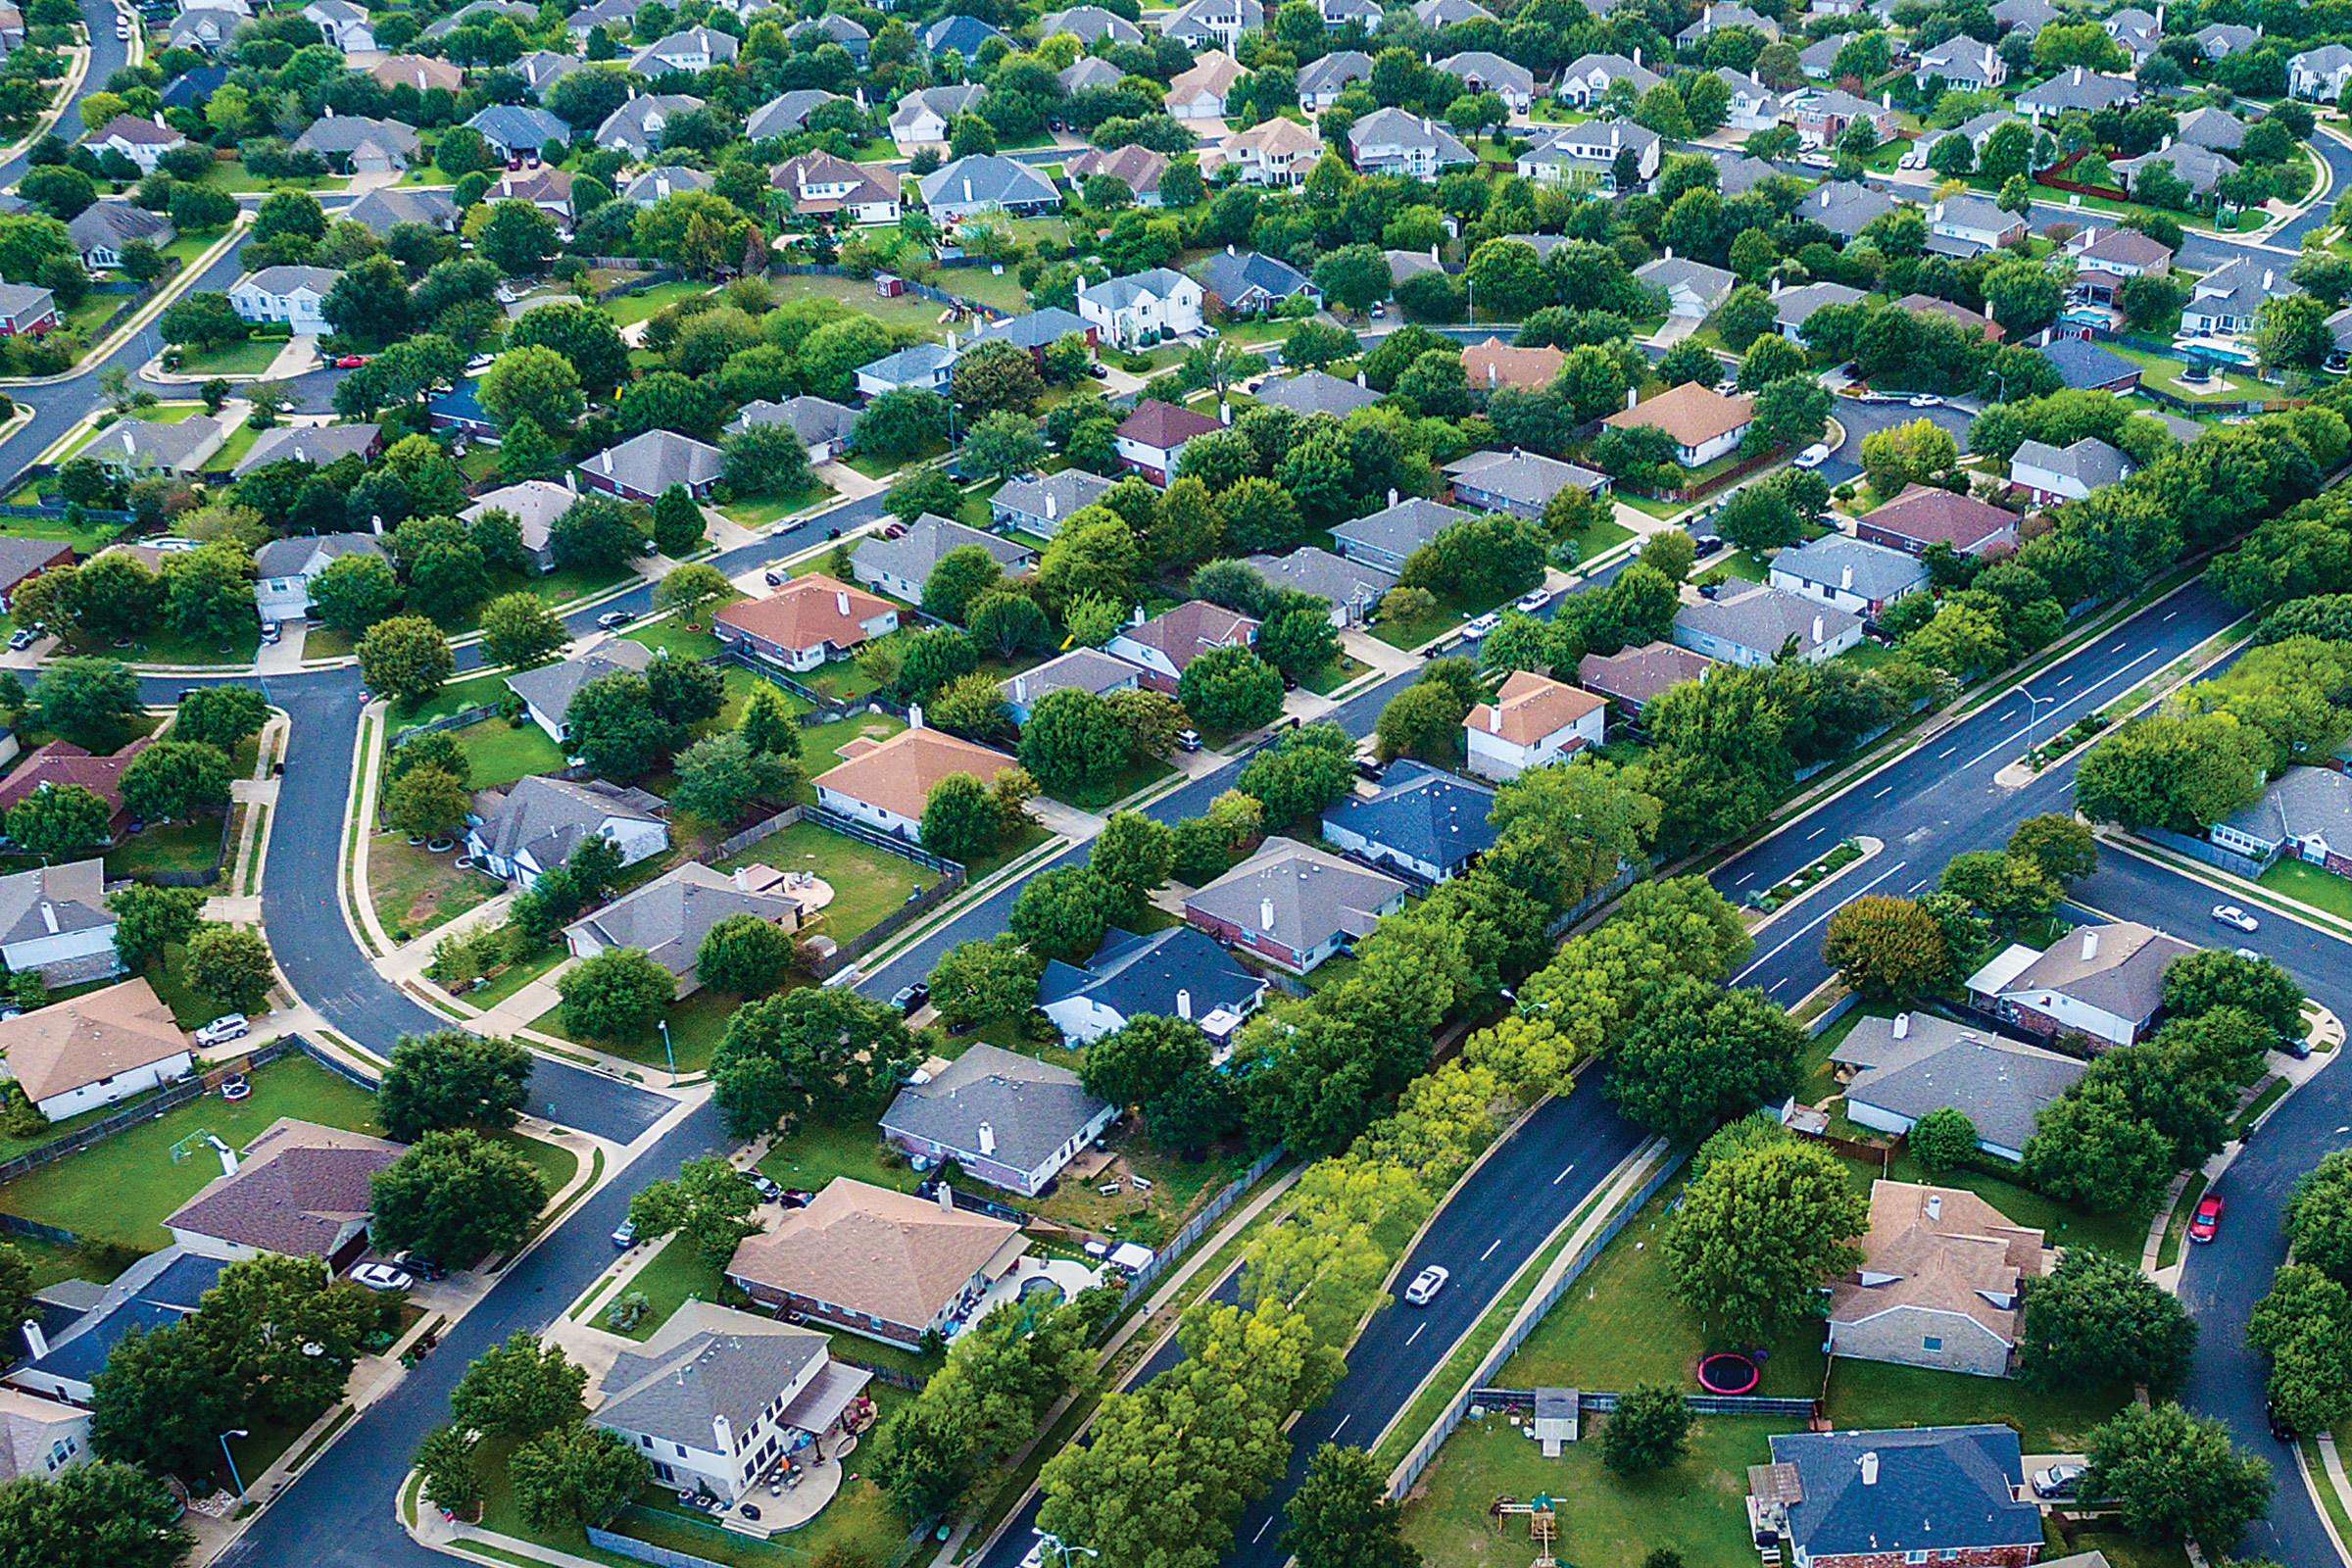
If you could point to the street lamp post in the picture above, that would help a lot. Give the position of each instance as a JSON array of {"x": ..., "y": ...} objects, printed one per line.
[
  {"x": 1063, "y": 1549},
  {"x": 666, "y": 1052},
  {"x": 2032, "y": 715},
  {"x": 234, "y": 1431}
]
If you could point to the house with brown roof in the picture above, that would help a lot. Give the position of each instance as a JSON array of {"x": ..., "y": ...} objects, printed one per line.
[
  {"x": 888, "y": 1265},
  {"x": 62, "y": 762},
  {"x": 300, "y": 1190},
  {"x": 1702, "y": 422},
  {"x": 1925, "y": 516},
  {"x": 1150, "y": 440},
  {"x": 1632, "y": 677},
  {"x": 93, "y": 1049},
  {"x": 2103, "y": 981},
  {"x": 22, "y": 559},
  {"x": 885, "y": 784},
  {"x": 809, "y": 620},
  {"x": 1940, "y": 1282},
  {"x": 1200, "y": 93},
  {"x": 1135, "y": 166},
  {"x": 420, "y": 72},
  {"x": 1992, "y": 330},
  {"x": 1531, "y": 722},
  {"x": 1495, "y": 364},
  {"x": 1164, "y": 645}
]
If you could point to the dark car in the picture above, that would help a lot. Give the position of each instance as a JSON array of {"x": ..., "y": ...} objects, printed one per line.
[
  {"x": 423, "y": 1267},
  {"x": 910, "y": 999},
  {"x": 2279, "y": 1426},
  {"x": 767, "y": 1186}
]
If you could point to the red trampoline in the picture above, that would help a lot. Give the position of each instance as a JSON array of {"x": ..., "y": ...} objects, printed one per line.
[{"x": 1729, "y": 1372}]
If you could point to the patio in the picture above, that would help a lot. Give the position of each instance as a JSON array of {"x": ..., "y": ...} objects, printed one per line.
[
  {"x": 1031, "y": 1276},
  {"x": 796, "y": 1494}
]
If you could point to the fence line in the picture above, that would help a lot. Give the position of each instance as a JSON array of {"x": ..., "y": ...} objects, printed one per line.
[
  {"x": 457, "y": 721},
  {"x": 646, "y": 1550},
  {"x": 1606, "y": 1401},
  {"x": 887, "y": 1374},
  {"x": 2245, "y": 865},
  {"x": 195, "y": 880},
  {"x": 849, "y": 827},
  {"x": 1409, "y": 1471},
  {"x": 18, "y": 1225},
  {"x": 168, "y": 1097},
  {"x": 1197, "y": 1226},
  {"x": 753, "y": 834},
  {"x": 827, "y": 708}
]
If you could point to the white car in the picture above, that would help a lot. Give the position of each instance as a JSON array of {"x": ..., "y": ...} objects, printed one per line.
[
  {"x": 1926, "y": 400},
  {"x": 480, "y": 363},
  {"x": 122, "y": 28},
  {"x": 1814, "y": 456},
  {"x": 382, "y": 1277},
  {"x": 2231, "y": 914},
  {"x": 1426, "y": 1286},
  {"x": 2058, "y": 1480},
  {"x": 614, "y": 620},
  {"x": 1482, "y": 625},
  {"x": 1533, "y": 599},
  {"x": 228, "y": 1026}
]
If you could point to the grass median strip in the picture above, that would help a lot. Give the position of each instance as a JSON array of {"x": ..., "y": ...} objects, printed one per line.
[{"x": 2330, "y": 1499}]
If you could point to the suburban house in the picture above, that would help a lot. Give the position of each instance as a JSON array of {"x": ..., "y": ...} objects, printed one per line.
[
  {"x": 424, "y": 74},
  {"x": 1038, "y": 506},
  {"x": 40, "y": 1437},
  {"x": 358, "y": 145},
  {"x": 1972, "y": 225},
  {"x": 1294, "y": 906},
  {"x": 293, "y": 295},
  {"x": 987, "y": 182},
  {"x": 1199, "y": 92},
  {"x": 2229, "y": 299},
  {"x": 1422, "y": 821},
  {"x": 888, "y": 1265},
  {"x": 1164, "y": 645},
  {"x": 1533, "y": 721},
  {"x": 1010, "y": 1120},
  {"x": 1088, "y": 71},
  {"x": 823, "y": 426},
  {"x": 2051, "y": 475},
  {"x": 1134, "y": 165},
  {"x": 54, "y": 921},
  {"x": 1277, "y": 151},
  {"x": 809, "y": 620},
  {"x": 2105, "y": 257},
  {"x": 94, "y": 1050},
  {"x": 319, "y": 445},
  {"x": 143, "y": 141},
  {"x": 1588, "y": 78},
  {"x": 1941, "y": 1282},
  {"x": 1753, "y": 106},
  {"x": 283, "y": 570},
  {"x": 1792, "y": 308},
  {"x": 204, "y": 30},
  {"x": 2215, "y": 128},
  {"x": 1150, "y": 440},
  {"x": 2030, "y": 16},
  {"x": 714, "y": 1397},
  {"x": 1495, "y": 363},
  {"x": 1247, "y": 282},
  {"x": 1718, "y": 14},
  {"x": 1925, "y": 516},
  {"x": 1750, "y": 627},
  {"x": 1082, "y": 668},
  {"x": 1175, "y": 973},
  {"x": 787, "y": 114},
  {"x": 660, "y": 183},
  {"x": 2077, "y": 88},
  {"x": 299, "y": 1190},
  {"x": 2319, "y": 73},
  {"x": 644, "y": 465},
  {"x": 1033, "y": 332},
  {"x": 534, "y": 505},
  {"x": 1321, "y": 81},
  {"x": 1964, "y": 64},
  {"x": 1846, "y": 209},
  {"x": 64, "y": 762},
  {"x": 547, "y": 689},
  {"x": 1848, "y": 574},
  {"x": 1518, "y": 481},
  {"x": 1694, "y": 290},
  {"x": 1860, "y": 1499},
  {"x": 667, "y": 918},
  {"x": 1633, "y": 677},
  {"x": 1315, "y": 391},
  {"x": 1199, "y": 24},
  {"x": 22, "y": 559},
  {"x": 2200, "y": 168},
  {"x": 1820, "y": 116},
  {"x": 2306, "y": 813},
  {"x": 1389, "y": 142},
  {"x": 886, "y": 784},
  {"x": 926, "y": 367},
  {"x": 922, "y": 117},
  {"x": 1159, "y": 303},
  {"x": 636, "y": 126},
  {"x": 1352, "y": 589},
  {"x": 525, "y": 830},
  {"x": 1915, "y": 1062},
  {"x": 547, "y": 189},
  {"x": 100, "y": 230},
  {"x": 1482, "y": 70},
  {"x": 2086, "y": 367},
  {"x": 1593, "y": 148},
  {"x": 1702, "y": 422},
  {"x": 1386, "y": 538},
  {"x": 689, "y": 50},
  {"x": 25, "y": 310},
  {"x": 1437, "y": 14},
  {"x": 901, "y": 566},
  {"x": 963, "y": 36},
  {"x": 1085, "y": 23},
  {"x": 134, "y": 447},
  {"x": 68, "y": 1349},
  {"x": 2103, "y": 981}
]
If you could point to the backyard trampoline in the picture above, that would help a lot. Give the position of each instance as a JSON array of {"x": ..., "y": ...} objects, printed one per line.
[{"x": 1729, "y": 1372}]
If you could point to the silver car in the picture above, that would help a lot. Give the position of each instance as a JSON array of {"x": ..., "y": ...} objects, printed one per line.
[{"x": 1426, "y": 1286}]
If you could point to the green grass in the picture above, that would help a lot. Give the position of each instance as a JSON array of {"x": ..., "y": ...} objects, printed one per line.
[
  {"x": 88, "y": 538},
  {"x": 191, "y": 1007},
  {"x": 500, "y": 753},
  {"x": 2122, "y": 1233},
  {"x": 2261, "y": 1102},
  {"x": 2302, "y": 881},
  {"x": 1448, "y": 613},
  {"x": 171, "y": 847},
  {"x": 162, "y": 644},
  {"x": 867, "y": 883},
  {"x": 414, "y": 890},
  {"x": 1602, "y": 536},
  {"x": 556, "y": 1164},
  {"x": 685, "y": 643},
  {"x": 249, "y": 358},
  {"x": 517, "y": 975},
  {"x": 1869, "y": 1395},
  {"x": 910, "y": 314},
  {"x": 817, "y": 1154},
  {"x": 231, "y": 174},
  {"x": 120, "y": 1190},
  {"x": 767, "y": 509},
  {"x": 676, "y": 1275},
  {"x": 456, "y": 697},
  {"x": 696, "y": 1023},
  {"x": 1334, "y": 675},
  {"x": 233, "y": 446},
  {"x": 821, "y": 744},
  {"x": 631, "y": 309},
  {"x": 2176, "y": 1229},
  {"x": 566, "y": 584}
]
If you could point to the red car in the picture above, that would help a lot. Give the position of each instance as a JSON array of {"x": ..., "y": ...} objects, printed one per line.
[
  {"x": 350, "y": 362},
  {"x": 2207, "y": 1219}
]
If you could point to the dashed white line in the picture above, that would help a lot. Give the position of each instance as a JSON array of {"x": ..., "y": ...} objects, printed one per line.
[
  {"x": 1746, "y": 880},
  {"x": 1915, "y": 886},
  {"x": 1416, "y": 1334},
  {"x": 1335, "y": 1430},
  {"x": 1489, "y": 1251},
  {"x": 1776, "y": 985},
  {"x": 2062, "y": 680},
  {"x": 1816, "y": 832},
  {"x": 1888, "y": 790},
  {"x": 2057, "y": 717},
  {"x": 1262, "y": 1531},
  {"x": 1817, "y": 921},
  {"x": 2167, "y": 615},
  {"x": 1563, "y": 1175},
  {"x": 1946, "y": 751}
]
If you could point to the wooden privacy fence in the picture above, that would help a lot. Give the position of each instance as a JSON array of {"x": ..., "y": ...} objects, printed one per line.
[{"x": 1197, "y": 1226}]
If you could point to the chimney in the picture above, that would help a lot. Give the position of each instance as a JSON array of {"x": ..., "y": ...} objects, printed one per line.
[
  {"x": 1670, "y": 253},
  {"x": 1824, "y": 198},
  {"x": 1224, "y": 413},
  {"x": 1887, "y": 99},
  {"x": 2091, "y": 946},
  {"x": 1021, "y": 688},
  {"x": 1184, "y": 1004},
  {"x": 2078, "y": 74},
  {"x": 2166, "y": 145},
  {"x": 967, "y": 187},
  {"x": 914, "y": 715},
  {"x": 607, "y": 455},
  {"x": 1870, "y": 1469},
  {"x": 1902, "y": 1025},
  {"x": 1637, "y": 58},
  {"x": 1494, "y": 375},
  {"x": 1265, "y": 913},
  {"x": 1229, "y": 250},
  {"x": 947, "y": 1198},
  {"x": 1817, "y": 630},
  {"x": 1359, "y": 378},
  {"x": 1845, "y": 580},
  {"x": 1053, "y": 505},
  {"x": 1934, "y": 1205},
  {"x": 951, "y": 340},
  {"x": 841, "y": 601},
  {"x": 1633, "y": 396},
  {"x": 1391, "y": 494},
  {"x": 988, "y": 1140},
  {"x": 1776, "y": 285},
  {"x": 1494, "y": 717}
]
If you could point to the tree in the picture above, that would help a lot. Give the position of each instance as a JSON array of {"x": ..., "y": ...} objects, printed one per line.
[
  {"x": 2318, "y": 1217},
  {"x": 2064, "y": 848},
  {"x": 744, "y": 955},
  {"x": 1698, "y": 1054},
  {"x": 101, "y": 1515},
  {"x": 207, "y": 592},
  {"x": 370, "y": 301},
  {"x": 959, "y": 579},
  {"x": 960, "y": 822},
  {"x": 148, "y": 919},
  {"x": 1647, "y": 1430},
  {"x": 519, "y": 239},
  {"x": 453, "y": 1478},
  {"x": 2090, "y": 1145},
  {"x": 1063, "y": 912},
  {"x": 1887, "y": 947},
  {"x": 614, "y": 994},
  {"x": 64, "y": 821},
  {"x": 90, "y": 701},
  {"x": 232, "y": 964},
  {"x": 1907, "y": 454},
  {"x": 686, "y": 589},
  {"x": 2183, "y": 773},
  {"x": 1073, "y": 741},
  {"x": 820, "y": 1054},
  {"x": 451, "y": 1078},
  {"x": 519, "y": 629},
  {"x": 720, "y": 775},
  {"x": 1423, "y": 721},
  {"x": 518, "y": 1388},
  {"x": 996, "y": 377},
  {"x": 354, "y": 593},
  {"x": 1302, "y": 773},
  {"x": 2171, "y": 1474},
  {"x": 287, "y": 1333},
  {"x": 531, "y": 381},
  {"x": 1760, "y": 1232},
  {"x": 456, "y": 1196},
  {"x": 1004, "y": 443},
  {"x": 611, "y": 725},
  {"x": 174, "y": 779},
  {"x": 162, "y": 1400},
  {"x": 593, "y": 534},
  {"x": 2007, "y": 889},
  {"x": 1231, "y": 688},
  {"x": 405, "y": 657},
  {"x": 1006, "y": 623},
  {"x": 1134, "y": 853},
  {"x": 709, "y": 1203},
  {"x": 585, "y": 337},
  {"x": 980, "y": 982},
  {"x": 1341, "y": 1515},
  {"x": 575, "y": 1475},
  {"x": 220, "y": 716},
  {"x": 2200, "y": 981},
  {"x": 1758, "y": 519},
  {"x": 2095, "y": 1320}
]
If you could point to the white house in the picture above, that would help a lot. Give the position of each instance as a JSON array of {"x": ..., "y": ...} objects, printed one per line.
[
  {"x": 1964, "y": 64},
  {"x": 2319, "y": 73},
  {"x": 285, "y": 569},
  {"x": 1004, "y": 1118},
  {"x": 1753, "y": 106},
  {"x": 2103, "y": 981},
  {"x": 546, "y": 690},
  {"x": 1974, "y": 223},
  {"x": 344, "y": 26},
  {"x": 886, "y": 784},
  {"x": 94, "y": 1050},
  {"x": 1588, "y": 78},
  {"x": 143, "y": 141},
  {"x": 1126, "y": 310},
  {"x": 294, "y": 295},
  {"x": 1593, "y": 148},
  {"x": 2051, "y": 475},
  {"x": 1750, "y": 628},
  {"x": 1534, "y": 720},
  {"x": 522, "y": 832},
  {"x": 1389, "y": 142},
  {"x": 1703, "y": 424},
  {"x": 54, "y": 919}
]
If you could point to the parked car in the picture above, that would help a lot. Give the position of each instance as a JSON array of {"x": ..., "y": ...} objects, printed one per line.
[
  {"x": 2231, "y": 914},
  {"x": 382, "y": 1277},
  {"x": 1533, "y": 599},
  {"x": 20, "y": 639},
  {"x": 626, "y": 1236},
  {"x": 1426, "y": 1286},
  {"x": 2208, "y": 1218},
  {"x": 614, "y": 620},
  {"x": 770, "y": 1189},
  {"x": 1814, "y": 456},
  {"x": 2058, "y": 1480},
  {"x": 1926, "y": 400},
  {"x": 910, "y": 999},
  {"x": 775, "y": 577},
  {"x": 423, "y": 1267},
  {"x": 480, "y": 363},
  {"x": 2280, "y": 1428},
  {"x": 1482, "y": 625},
  {"x": 228, "y": 1026},
  {"x": 350, "y": 362},
  {"x": 272, "y": 631},
  {"x": 1188, "y": 740}
]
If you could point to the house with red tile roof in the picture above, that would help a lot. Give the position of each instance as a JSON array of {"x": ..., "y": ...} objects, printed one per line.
[{"x": 64, "y": 762}]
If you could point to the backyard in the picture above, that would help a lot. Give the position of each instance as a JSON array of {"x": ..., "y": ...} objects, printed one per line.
[
  {"x": 416, "y": 890},
  {"x": 190, "y": 845},
  {"x": 868, "y": 882},
  {"x": 500, "y": 753}
]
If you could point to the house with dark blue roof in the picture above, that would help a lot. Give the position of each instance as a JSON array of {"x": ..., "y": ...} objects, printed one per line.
[
  {"x": 2087, "y": 368},
  {"x": 964, "y": 35},
  {"x": 1862, "y": 1499},
  {"x": 1176, "y": 973},
  {"x": 190, "y": 88},
  {"x": 1249, "y": 281},
  {"x": 460, "y": 409},
  {"x": 1424, "y": 822},
  {"x": 159, "y": 1289}
]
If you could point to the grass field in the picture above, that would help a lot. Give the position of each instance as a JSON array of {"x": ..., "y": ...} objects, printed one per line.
[
  {"x": 414, "y": 890},
  {"x": 676, "y": 1275},
  {"x": 170, "y": 847},
  {"x": 868, "y": 882},
  {"x": 908, "y": 312},
  {"x": 1866, "y": 1396},
  {"x": 695, "y": 1026},
  {"x": 249, "y": 358},
  {"x": 817, "y": 1154},
  {"x": 500, "y": 753},
  {"x": 765, "y": 510},
  {"x": 120, "y": 1190},
  {"x": 631, "y": 309},
  {"x": 518, "y": 974},
  {"x": 2322, "y": 890},
  {"x": 456, "y": 695},
  {"x": 682, "y": 643}
]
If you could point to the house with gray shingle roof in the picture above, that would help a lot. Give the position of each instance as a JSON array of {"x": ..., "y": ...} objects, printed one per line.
[
  {"x": 987, "y": 182},
  {"x": 318, "y": 445},
  {"x": 1751, "y": 627},
  {"x": 901, "y": 566},
  {"x": 1082, "y": 668},
  {"x": 824, "y": 426},
  {"x": 1038, "y": 506},
  {"x": 2306, "y": 813},
  {"x": 834, "y": 28},
  {"x": 1389, "y": 142},
  {"x": 1010, "y": 1120},
  {"x": 1425, "y": 822},
  {"x": 667, "y": 918},
  {"x": 641, "y": 467},
  {"x": 2104, "y": 981},
  {"x": 925, "y": 365},
  {"x": 382, "y": 211},
  {"x": 1248, "y": 281},
  {"x": 283, "y": 570},
  {"x": 521, "y": 833},
  {"x": 2319, "y": 73},
  {"x": 2051, "y": 475},
  {"x": 140, "y": 446},
  {"x": 512, "y": 129},
  {"x": 1176, "y": 973},
  {"x": 1294, "y": 906},
  {"x": 1087, "y": 74},
  {"x": 290, "y": 294},
  {"x": 360, "y": 145},
  {"x": 1517, "y": 481},
  {"x": 1481, "y": 70},
  {"x": 1693, "y": 289},
  {"x": 2030, "y": 16},
  {"x": 1122, "y": 310},
  {"x": 1388, "y": 537},
  {"x": 54, "y": 921},
  {"x": 1351, "y": 588},
  {"x": 100, "y": 230},
  {"x": 1792, "y": 308},
  {"x": 660, "y": 183},
  {"x": 787, "y": 114},
  {"x": 2200, "y": 168},
  {"x": 1848, "y": 575},
  {"x": 1088, "y": 22},
  {"x": 2216, "y": 130},
  {"x": 964, "y": 35},
  {"x": 1318, "y": 391},
  {"x": 689, "y": 50},
  {"x": 542, "y": 68},
  {"x": 1916, "y": 1063},
  {"x": 1845, "y": 207},
  {"x": 2087, "y": 365},
  {"x": 2220, "y": 40},
  {"x": 547, "y": 690},
  {"x": 635, "y": 127},
  {"x": 2077, "y": 88},
  {"x": 1588, "y": 78},
  {"x": 922, "y": 117},
  {"x": 1321, "y": 82}
]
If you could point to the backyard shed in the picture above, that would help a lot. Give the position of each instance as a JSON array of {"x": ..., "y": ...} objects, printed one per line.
[{"x": 1555, "y": 1418}]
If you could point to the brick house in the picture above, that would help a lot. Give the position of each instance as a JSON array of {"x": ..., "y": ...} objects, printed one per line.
[
  {"x": 1882, "y": 1499},
  {"x": 2104, "y": 981},
  {"x": 1924, "y": 516},
  {"x": 2307, "y": 813},
  {"x": 1293, "y": 905},
  {"x": 809, "y": 620}
]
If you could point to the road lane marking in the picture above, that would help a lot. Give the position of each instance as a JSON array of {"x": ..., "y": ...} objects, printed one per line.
[
  {"x": 1946, "y": 751},
  {"x": 1915, "y": 886},
  {"x": 1816, "y": 921},
  {"x": 1563, "y": 1175},
  {"x": 2057, "y": 717},
  {"x": 1776, "y": 985},
  {"x": 1489, "y": 1251},
  {"x": 1816, "y": 832},
  {"x": 1335, "y": 1433},
  {"x": 1888, "y": 790},
  {"x": 1261, "y": 1530},
  {"x": 2062, "y": 680},
  {"x": 2167, "y": 615},
  {"x": 1416, "y": 1334},
  {"x": 1746, "y": 880}
]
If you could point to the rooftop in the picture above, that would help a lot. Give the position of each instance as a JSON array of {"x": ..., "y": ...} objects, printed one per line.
[
  {"x": 869, "y": 1249},
  {"x": 995, "y": 1105}
]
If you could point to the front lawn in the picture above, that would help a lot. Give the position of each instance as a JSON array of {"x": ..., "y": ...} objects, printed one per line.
[
  {"x": 500, "y": 753},
  {"x": 233, "y": 446},
  {"x": 765, "y": 510},
  {"x": 162, "y": 644},
  {"x": 191, "y": 1008},
  {"x": 123, "y": 1189},
  {"x": 168, "y": 847},
  {"x": 868, "y": 882},
  {"x": 1334, "y": 675},
  {"x": 685, "y": 642},
  {"x": 676, "y": 1275},
  {"x": 1443, "y": 617},
  {"x": 1140, "y": 773},
  {"x": 249, "y": 358},
  {"x": 565, "y": 584},
  {"x": 231, "y": 174},
  {"x": 818, "y": 1153},
  {"x": 695, "y": 1024},
  {"x": 2291, "y": 878},
  {"x": 414, "y": 890}
]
